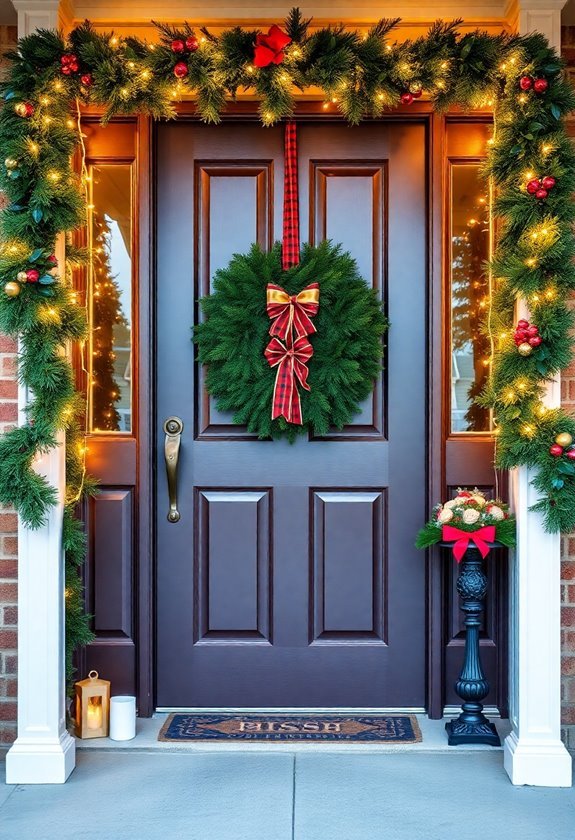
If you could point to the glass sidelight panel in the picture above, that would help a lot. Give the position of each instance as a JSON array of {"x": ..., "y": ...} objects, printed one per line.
[
  {"x": 110, "y": 296},
  {"x": 469, "y": 246}
]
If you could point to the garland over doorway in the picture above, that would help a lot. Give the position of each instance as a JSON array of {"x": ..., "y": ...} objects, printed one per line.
[{"x": 531, "y": 163}]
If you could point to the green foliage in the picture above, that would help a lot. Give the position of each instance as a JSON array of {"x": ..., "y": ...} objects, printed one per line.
[{"x": 347, "y": 346}]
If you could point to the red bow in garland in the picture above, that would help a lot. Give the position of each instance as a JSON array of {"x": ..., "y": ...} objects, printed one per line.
[
  {"x": 292, "y": 310},
  {"x": 462, "y": 539},
  {"x": 290, "y": 361},
  {"x": 269, "y": 48}
]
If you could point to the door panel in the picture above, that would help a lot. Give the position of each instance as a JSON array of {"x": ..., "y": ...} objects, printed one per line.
[{"x": 291, "y": 578}]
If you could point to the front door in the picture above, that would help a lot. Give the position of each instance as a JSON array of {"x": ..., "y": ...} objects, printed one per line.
[{"x": 291, "y": 579}]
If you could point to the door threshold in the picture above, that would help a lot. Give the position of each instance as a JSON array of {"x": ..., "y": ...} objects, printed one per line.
[
  {"x": 292, "y": 710},
  {"x": 434, "y": 740}
]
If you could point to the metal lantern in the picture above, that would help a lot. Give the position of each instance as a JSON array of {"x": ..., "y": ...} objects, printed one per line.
[{"x": 92, "y": 707}]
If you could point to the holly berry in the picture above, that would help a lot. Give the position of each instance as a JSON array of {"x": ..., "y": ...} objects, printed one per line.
[
  {"x": 69, "y": 64},
  {"x": 556, "y": 450},
  {"x": 525, "y": 82},
  {"x": 406, "y": 98},
  {"x": 533, "y": 186},
  {"x": 541, "y": 194},
  {"x": 535, "y": 340},
  {"x": 177, "y": 45},
  {"x": 32, "y": 275},
  {"x": 181, "y": 70},
  {"x": 548, "y": 182},
  {"x": 192, "y": 43},
  {"x": 540, "y": 85},
  {"x": 87, "y": 79}
]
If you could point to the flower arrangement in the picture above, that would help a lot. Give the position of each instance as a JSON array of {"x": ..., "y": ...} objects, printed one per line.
[{"x": 470, "y": 512}]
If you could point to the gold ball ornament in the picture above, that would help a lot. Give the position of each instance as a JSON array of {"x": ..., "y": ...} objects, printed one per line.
[
  {"x": 12, "y": 289},
  {"x": 525, "y": 349},
  {"x": 564, "y": 439},
  {"x": 22, "y": 277},
  {"x": 10, "y": 163},
  {"x": 415, "y": 88}
]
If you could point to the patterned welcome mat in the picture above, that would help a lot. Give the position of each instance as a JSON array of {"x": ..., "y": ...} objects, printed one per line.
[{"x": 388, "y": 729}]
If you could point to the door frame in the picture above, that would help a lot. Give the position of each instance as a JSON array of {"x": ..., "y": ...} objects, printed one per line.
[{"x": 145, "y": 581}]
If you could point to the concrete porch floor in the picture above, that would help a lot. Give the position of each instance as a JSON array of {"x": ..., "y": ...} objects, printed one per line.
[{"x": 142, "y": 790}]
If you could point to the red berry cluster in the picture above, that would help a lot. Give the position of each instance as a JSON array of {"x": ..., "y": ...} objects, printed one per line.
[
  {"x": 178, "y": 45},
  {"x": 181, "y": 46},
  {"x": 409, "y": 95},
  {"x": 539, "y": 85},
  {"x": 539, "y": 187},
  {"x": 526, "y": 333},
  {"x": 70, "y": 64}
]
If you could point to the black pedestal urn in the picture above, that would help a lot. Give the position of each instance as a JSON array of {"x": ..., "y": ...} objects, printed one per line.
[{"x": 472, "y": 727}]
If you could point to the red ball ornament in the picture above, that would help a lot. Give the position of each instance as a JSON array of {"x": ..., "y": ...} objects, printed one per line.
[
  {"x": 532, "y": 330},
  {"x": 556, "y": 450},
  {"x": 522, "y": 324},
  {"x": 525, "y": 82},
  {"x": 67, "y": 58},
  {"x": 177, "y": 45},
  {"x": 181, "y": 70},
  {"x": 571, "y": 454},
  {"x": 541, "y": 194},
  {"x": 406, "y": 98},
  {"x": 540, "y": 85},
  {"x": 548, "y": 182},
  {"x": 520, "y": 336},
  {"x": 535, "y": 340},
  {"x": 533, "y": 186},
  {"x": 192, "y": 43},
  {"x": 87, "y": 79},
  {"x": 53, "y": 259},
  {"x": 32, "y": 275}
]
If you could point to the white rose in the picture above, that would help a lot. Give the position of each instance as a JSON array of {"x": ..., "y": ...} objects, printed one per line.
[
  {"x": 479, "y": 499},
  {"x": 496, "y": 513},
  {"x": 452, "y": 503},
  {"x": 470, "y": 516},
  {"x": 445, "y": 515}
]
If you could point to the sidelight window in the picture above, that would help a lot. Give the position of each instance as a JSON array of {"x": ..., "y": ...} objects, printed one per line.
[
  {"x": 110, "y": 297},
  {"x": 469, "y": 244}
]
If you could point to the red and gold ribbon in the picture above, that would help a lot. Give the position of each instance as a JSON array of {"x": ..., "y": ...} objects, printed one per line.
[
  {"x": 292, "y": 311},
  {"x": 461, "y": 539},
  {"x": 290, "y": 360}
]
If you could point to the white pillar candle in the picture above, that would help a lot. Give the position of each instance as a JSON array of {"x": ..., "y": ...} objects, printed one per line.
[{"x": 122, "y": 718}]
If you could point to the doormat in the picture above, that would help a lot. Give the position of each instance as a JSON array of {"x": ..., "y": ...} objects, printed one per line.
[{"x": 388, "y": 729}]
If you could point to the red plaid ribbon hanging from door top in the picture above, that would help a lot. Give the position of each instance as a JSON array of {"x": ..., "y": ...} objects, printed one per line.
[
  {"x": 290, "y": 247},
  {"x": 291, "y": 314}
]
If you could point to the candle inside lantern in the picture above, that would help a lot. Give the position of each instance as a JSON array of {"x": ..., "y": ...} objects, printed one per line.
[{"x": 94, "y": 713}]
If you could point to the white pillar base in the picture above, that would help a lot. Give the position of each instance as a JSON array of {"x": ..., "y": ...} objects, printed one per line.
[
  {"x": 41, "y": 764},
  {"x": 544, "y": 765}
]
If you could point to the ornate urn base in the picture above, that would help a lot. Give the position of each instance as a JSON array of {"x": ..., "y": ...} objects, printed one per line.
[{"x": 472, "y": 727}]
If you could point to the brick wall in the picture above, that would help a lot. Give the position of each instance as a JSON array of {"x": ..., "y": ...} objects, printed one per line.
[{"x": 8, "y": 522}]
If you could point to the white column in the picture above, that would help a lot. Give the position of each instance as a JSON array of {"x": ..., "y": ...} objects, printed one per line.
[
  {"x": 44, "y": 752},
  {"x": 534, "y": 753}
]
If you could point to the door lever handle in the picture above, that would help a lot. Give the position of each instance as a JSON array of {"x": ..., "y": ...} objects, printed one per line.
[{"x": 173, "y": 427}]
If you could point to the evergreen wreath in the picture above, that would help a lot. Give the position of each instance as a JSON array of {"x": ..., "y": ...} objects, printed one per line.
[{"x": 347, "y": 346}]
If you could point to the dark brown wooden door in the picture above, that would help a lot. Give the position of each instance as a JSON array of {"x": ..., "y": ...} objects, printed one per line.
[{"x": 291, "y": 578}]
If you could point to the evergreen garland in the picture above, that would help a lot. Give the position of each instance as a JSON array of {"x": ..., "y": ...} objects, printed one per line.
[
  {"x": 360, "y": 75},
  {"x": 347, "y": 345}
]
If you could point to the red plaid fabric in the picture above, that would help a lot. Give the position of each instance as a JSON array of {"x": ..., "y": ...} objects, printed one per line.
[
  {"x": 290, "y": 247},
  {"x": 290, "y": 360},
  {"x": 292, "y": 311}
]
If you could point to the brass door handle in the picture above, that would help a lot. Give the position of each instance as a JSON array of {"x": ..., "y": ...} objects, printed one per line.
[{"x": 173, "y": 427}]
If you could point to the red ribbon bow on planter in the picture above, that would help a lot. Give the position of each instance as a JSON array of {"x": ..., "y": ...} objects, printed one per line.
[
  {"x": 290, "y": 361},
  {"x": 269, "y": 48},
  {"x": 462, "y": 539},
  {"x": 292, "y": 310}
]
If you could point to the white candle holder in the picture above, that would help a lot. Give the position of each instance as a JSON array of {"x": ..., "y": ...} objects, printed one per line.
[{"x": 122, "y": 718}]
